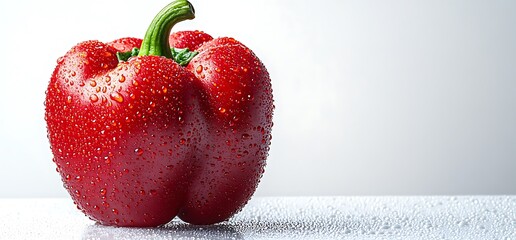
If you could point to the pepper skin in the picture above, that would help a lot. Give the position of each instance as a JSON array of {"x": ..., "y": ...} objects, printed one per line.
[{"x": 140, "y": 141}]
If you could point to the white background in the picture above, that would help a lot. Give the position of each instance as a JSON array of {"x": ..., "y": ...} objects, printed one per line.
[{"x": 372, "y": 97}]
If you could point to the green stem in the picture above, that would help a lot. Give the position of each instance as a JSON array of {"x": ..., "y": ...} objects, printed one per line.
[
  {"x": 155, "y": 41},
  {"x": 181, "y": 56}
]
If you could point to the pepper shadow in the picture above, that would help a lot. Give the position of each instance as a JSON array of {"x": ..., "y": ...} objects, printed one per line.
[{"x": 175, "y": 229}]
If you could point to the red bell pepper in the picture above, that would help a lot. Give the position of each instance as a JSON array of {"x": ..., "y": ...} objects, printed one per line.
[{"x": 142, "y": 132}]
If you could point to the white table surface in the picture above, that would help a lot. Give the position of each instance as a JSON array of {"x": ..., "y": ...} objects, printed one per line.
[{"x": 440, "y": 217}]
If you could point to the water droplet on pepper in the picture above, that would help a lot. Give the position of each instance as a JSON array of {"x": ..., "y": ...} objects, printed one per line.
[
  {"x": 94, "y": 98},
  {"x": 116, "y": 97},
  {"x": 138, "y": 151}
]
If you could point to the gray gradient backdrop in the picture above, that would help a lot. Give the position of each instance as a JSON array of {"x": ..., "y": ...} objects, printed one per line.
[{"x": 372, "y": 97}]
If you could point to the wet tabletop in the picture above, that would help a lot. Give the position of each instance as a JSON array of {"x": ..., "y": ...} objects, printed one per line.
[{"x": 462, "y": 217}]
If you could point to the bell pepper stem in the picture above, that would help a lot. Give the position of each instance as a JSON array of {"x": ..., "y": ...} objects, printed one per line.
[{"x": 156, "y": 38}]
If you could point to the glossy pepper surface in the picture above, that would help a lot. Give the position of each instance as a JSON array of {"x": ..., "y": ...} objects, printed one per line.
[{"x": 142, "y": 132}]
